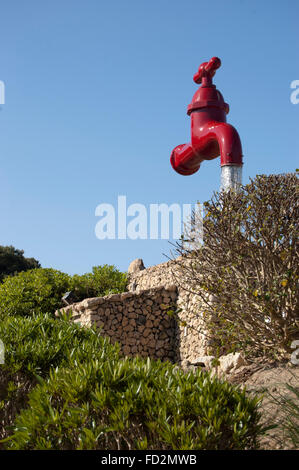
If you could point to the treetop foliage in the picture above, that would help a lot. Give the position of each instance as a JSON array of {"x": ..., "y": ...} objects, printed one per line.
[{"x": 13, "y": 261}]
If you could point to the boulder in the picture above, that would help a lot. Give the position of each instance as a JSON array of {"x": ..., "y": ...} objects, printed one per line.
[
  {"x": 231, "y": 362},
  {"x": 203, "y": 361},
  {"x": 136, "y": 266}
]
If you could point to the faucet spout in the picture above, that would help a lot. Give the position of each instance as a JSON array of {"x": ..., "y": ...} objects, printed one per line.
[{"x": 208, "y": 142}]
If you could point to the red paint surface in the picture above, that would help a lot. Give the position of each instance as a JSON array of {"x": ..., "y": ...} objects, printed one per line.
[{"x": 211, "y": 136}]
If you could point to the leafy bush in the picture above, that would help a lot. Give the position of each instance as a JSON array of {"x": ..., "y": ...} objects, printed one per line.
[
  {"x": 135, "y": 404},
  {"x": 246, "y": 271},
  {"x": 34, "y": 346},
  {"x": 13, "y": 261},
  {"x": 65, "y": 387},
  {"x": 41, "y": 290},
  {"x": 34, "y": 291},
  {"x": 102, "y": 281}
]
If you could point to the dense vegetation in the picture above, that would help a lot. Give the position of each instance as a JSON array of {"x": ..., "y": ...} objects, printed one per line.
[
  {"x": 103, "y": 280},
  {"x": 41, "y": 290},
  {"x": 246, "y": 271},
  {"x": 65, "y": 387}
]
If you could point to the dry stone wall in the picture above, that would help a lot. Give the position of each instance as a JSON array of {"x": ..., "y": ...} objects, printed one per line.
[
  {"x": 192, "y": 339},
  {"x": 137, "y": 321}
]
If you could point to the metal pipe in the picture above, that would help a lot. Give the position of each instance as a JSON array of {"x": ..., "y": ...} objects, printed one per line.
[{"x": 231, "y": 177}]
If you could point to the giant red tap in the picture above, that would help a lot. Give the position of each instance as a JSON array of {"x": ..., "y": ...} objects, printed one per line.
[{"x": 211, "y": 136}]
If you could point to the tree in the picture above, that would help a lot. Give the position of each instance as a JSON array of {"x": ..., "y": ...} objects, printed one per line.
[
  {"x": 246, "y": 270},
  {"x": 13, "y": 261}
]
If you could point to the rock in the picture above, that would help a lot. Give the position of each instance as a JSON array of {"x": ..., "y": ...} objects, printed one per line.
[
  {"x": 146, "y": 332},
  {"x": 203, "y": 361},
  {"x": 141, "y": 320},
  {"x": 92, "y": 302},
  {"x": 159, "y": 344},
  {"x": 128, "y": 328},
  {"x": 113, "y": 297},
  {"x": 163, "y": 335},
  {"x": 131, "y": 341},
  {"x": 126, "y": 349},
  {"x": 131, "y": 315},
  {"x": 231, "y": 362},
  {"x": 91, "y": 312},
  {"x": 136, "y": 266},
  {"x": 144, "y": 341},
  {"x": 126, "y": 295},
  {"x": 172, "y": 288},
  {"x": 160, "y": 353}
]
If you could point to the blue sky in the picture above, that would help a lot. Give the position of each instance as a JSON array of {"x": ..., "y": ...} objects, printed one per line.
[{"x": 96, "y": 99}]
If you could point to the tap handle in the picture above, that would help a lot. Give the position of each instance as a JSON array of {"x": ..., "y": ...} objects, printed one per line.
[{"x": 207, "y": 69}]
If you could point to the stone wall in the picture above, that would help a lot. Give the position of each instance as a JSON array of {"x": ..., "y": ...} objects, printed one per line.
[
  {"x": 192, "y": 338},
  {"x": 136, "y": 320}
]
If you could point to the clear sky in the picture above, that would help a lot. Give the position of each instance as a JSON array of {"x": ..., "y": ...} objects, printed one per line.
[{"x": 96, "y": 94}]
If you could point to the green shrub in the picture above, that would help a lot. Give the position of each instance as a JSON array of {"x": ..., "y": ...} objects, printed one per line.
[
  {"x": 135, "y": 404},
  {"x": 34, "y": 346},
  {"x": 37, "y": 290},
  {"x": 41, "y": 290},
  {"x": 103, "y": 280},
  {"x": 245, "y": 273}
]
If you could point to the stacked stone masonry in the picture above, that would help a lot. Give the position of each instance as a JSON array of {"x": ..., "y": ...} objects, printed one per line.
[
  {"x": 138, "y": 319},
  {"x": 192, "y": 339}
]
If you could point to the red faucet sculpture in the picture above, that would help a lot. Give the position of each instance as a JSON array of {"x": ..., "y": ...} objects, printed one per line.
[{"x": 211, "y": 136}]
